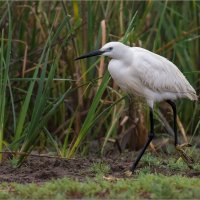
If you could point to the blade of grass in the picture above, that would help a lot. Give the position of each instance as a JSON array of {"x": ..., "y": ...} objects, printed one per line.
[
  {"x": 27, "y": 147},
  {"x": 116, "y": 115},
  {"x": 39, "y": 106},
  {"x": 26, "y": 103},
  {"x": 25, "y": 106},
  {"x": 53, "y": 142},
  {"x": 4, "y": 76},
  {"x": 91, "y": 114}
]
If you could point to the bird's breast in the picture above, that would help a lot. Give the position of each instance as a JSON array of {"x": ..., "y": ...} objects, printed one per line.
[
  {"x": 122, "y": 76},
  {"x": 125, "y": 77},
  {"x": 118, "y": 72}
]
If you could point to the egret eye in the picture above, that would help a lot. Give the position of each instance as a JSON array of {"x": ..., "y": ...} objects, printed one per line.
[{"x": 110, "y": 48}]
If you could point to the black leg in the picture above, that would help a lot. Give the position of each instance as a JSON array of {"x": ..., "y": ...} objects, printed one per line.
[
  {"x": 150, "y": 137},
  {"x": 188, "y": 160},
  {"x": 173, "y": 105}
]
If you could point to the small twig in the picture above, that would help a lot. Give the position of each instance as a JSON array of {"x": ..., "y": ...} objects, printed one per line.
[
  {"x": 103, "y": 41},
  {"x": 172, "y": 42},
  {"x": 24, "y": 60},
  {"x": 165, "y": 123},
  {"x": 182, "y": 130},
  {"x": 27, "y": 154},
  {"x": 118, "y": 146},
  {"x": 169, "y": 128},
  {"x": 152, "y": 146}
]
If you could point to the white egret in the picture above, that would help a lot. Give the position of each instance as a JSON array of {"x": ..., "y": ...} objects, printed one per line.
[{"x": 146, "y": 74}]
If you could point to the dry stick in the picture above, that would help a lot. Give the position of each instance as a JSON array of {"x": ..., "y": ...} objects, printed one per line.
[
  {"x": 121, "y": 20},
  {"x": 103, "y": 41},
  {"x": 29, "y": 70},
  {"x": 27, "y": 154},
  {"x": 116, "y": 142},
  {"x": 170, "y": 44},
  {"x": 182, "y": 130},
  {"x": 24, "y": 60},
  {"x": 25, "y": 71},
  {"x": 152, "y": 146},
  {"x": 165, "y": 123},
  {"x": 169, "y": 128}
]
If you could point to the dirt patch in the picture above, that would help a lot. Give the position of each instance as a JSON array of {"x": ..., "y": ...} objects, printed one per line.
[
  {"x": 36, "y": 169},
  {"x": 41, "y": 169}
]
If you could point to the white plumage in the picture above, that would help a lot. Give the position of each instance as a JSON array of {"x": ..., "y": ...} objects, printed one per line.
[
  {"x": 139, "y": 71},
  {"x": 153, "y": 77}
]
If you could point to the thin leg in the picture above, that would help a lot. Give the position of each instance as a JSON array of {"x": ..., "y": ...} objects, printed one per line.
[
  {"x": 173, "y": 105},
  {"x": 150, "y": 137},
  {"x": 188, "y": 160}
]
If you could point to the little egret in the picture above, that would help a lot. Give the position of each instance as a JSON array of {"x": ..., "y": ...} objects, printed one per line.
[{"x": 149, "y": 75}]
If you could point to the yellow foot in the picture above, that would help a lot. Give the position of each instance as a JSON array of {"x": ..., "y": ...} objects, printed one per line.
[
  {"x": 187, "y": 159},
  {"x": 128, "y": 173}
]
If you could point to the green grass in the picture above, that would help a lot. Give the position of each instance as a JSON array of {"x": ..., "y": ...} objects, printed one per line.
[
  {"x": 100, "y": 168},
  {"x": 142, "y": 186},
  {"x": 157, "y": 178},
  {"x": 4, "y": 78}
]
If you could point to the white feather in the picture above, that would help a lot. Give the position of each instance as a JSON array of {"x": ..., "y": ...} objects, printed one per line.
[{"x": 141, "y": 72}]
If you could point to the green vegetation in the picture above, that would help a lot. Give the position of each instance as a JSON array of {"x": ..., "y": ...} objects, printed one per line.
[
  {"x": 159, "y": 178},
  {"x": 143, "y": 186},
  {"x": 51, "y": 102},
  {"x": 100, "y": 168}
]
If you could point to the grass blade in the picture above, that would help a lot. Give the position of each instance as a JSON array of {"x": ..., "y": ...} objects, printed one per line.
[
  {"x": 91, "y": 114},
  {"x": 5, "y": 63}
]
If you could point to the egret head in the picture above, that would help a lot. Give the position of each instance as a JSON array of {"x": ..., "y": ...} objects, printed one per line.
[{"x": 112, "y": 49}]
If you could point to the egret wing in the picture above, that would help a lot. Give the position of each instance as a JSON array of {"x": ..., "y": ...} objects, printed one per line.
[{"x": 160, "y": 75}]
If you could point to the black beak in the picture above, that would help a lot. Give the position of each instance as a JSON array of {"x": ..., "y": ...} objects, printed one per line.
[{"x": 93, "y": 53}]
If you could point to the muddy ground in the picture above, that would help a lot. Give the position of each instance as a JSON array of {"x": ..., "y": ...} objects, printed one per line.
[{"x": 41, "y": 169}]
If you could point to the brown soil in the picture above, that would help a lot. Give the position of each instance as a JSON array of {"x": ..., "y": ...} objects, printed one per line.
[{"x": 41, "y": 169}]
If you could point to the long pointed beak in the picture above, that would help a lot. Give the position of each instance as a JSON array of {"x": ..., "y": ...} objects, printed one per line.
[{"x": 93, "y": 53}]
